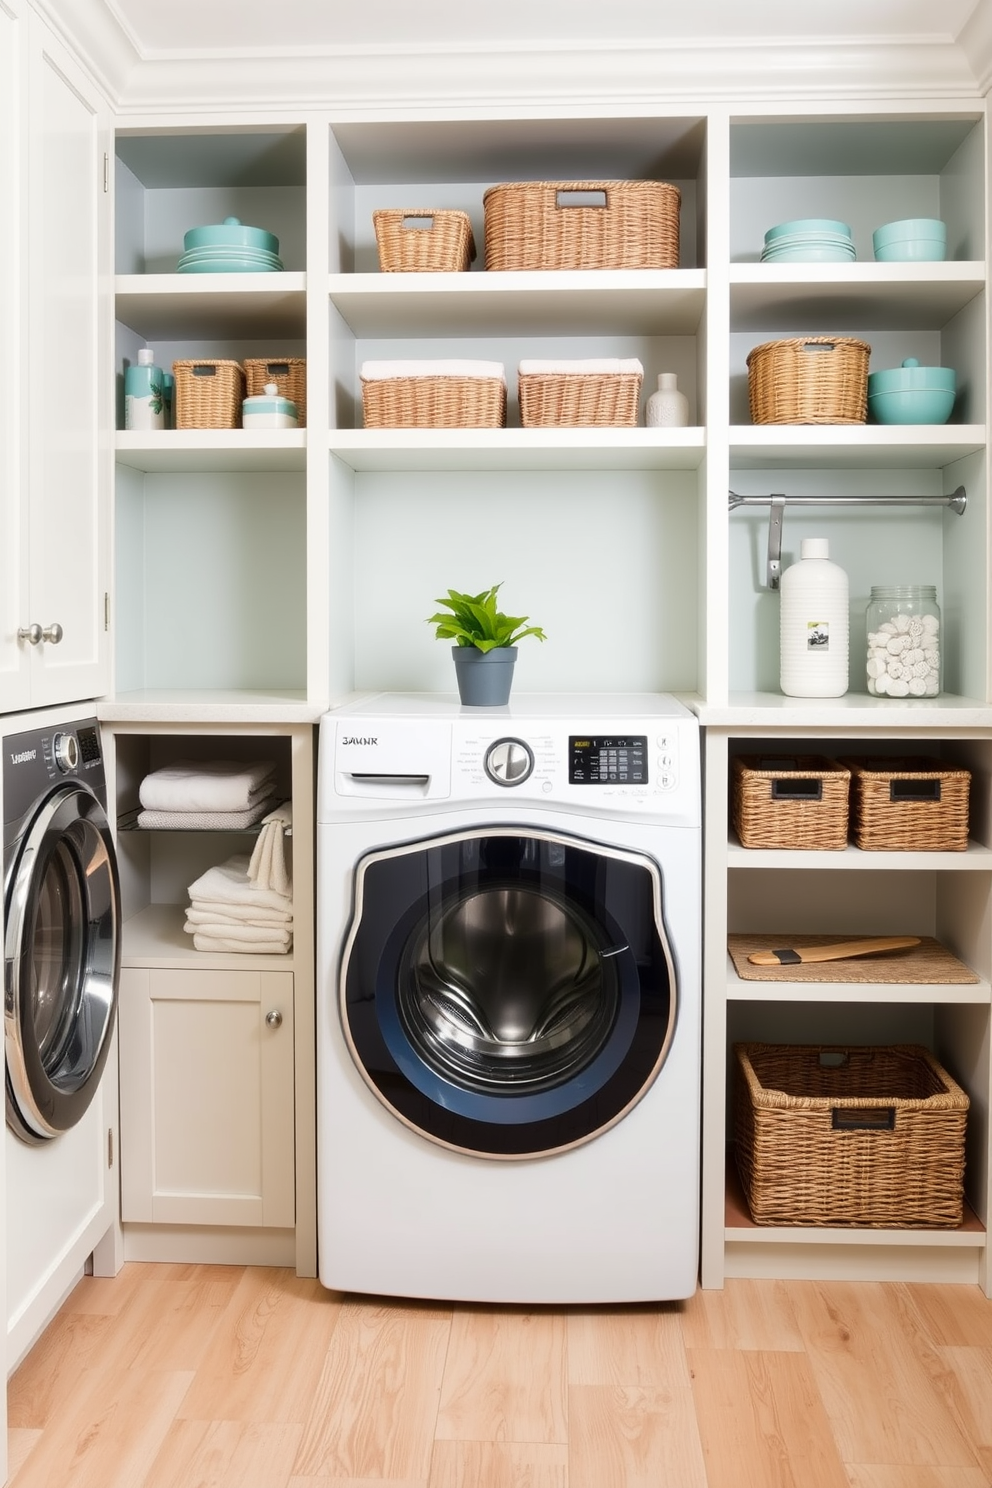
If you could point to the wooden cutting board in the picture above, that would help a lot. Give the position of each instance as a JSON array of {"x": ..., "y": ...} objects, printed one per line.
[{"x": 927, "y": 962}]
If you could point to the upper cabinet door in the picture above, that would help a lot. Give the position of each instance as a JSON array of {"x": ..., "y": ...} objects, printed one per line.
[{"x": 63, "y": 471}]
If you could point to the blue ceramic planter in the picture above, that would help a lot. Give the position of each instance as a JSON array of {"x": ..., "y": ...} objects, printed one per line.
[{"x": 484, "y": 677}]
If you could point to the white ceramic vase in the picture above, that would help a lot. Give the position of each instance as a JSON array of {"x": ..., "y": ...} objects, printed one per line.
[{"x": 667, "y": 408}]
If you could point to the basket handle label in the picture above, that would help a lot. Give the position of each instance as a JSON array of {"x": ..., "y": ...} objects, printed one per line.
[
  {"x": 867, "y": 1118},
  {"x": 418, "y": 221},
  {"x": 204, "y": 371},
  {"x": 572, "y": 198},
  {"x": 914, "y": 790},
  {"x": 797, "y": 788},
  {"x": 819, "y": 346},
  {"x": 277, "y": 369}
]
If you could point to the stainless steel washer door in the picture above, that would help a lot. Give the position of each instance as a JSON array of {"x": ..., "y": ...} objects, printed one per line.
[{"x": 61, "y": 962}]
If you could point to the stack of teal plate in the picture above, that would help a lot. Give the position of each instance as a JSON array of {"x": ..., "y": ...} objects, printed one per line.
[
  {"x": 229, "y": 247},
  {"x": 809, "y": 240}
]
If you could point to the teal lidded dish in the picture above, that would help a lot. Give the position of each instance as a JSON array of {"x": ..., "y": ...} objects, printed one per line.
[{"x": 911, "y": 394}]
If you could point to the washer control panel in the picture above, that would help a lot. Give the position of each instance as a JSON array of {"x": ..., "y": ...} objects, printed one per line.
[{"x": 608, "y": 759}]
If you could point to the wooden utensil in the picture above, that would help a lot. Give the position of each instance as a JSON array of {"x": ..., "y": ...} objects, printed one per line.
[{"x": 841, "y": 950}]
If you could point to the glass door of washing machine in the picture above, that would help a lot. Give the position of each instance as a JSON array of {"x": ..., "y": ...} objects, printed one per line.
[{"x": 508, "y": 992}]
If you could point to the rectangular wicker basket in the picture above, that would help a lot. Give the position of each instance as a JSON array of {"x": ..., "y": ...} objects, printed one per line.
[
  {"x": 209, "y": 394},
  {"x": 791, "y": 801},
  {"x": 582, "y": 225},
  {"x": 579, "y": 394},
  {"x": 811, "y": 380},
  {"x": 289, "y": 375},
  {"x": 828, "y": 1135},
  {"x": 423, "y": 241},
  {"x": 403, "y": 396},
  {"x": 908, "y": 805}
]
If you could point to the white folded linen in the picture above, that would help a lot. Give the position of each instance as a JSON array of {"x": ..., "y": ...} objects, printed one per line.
[
  {"x": 442, "y": 367},
  {"x": 588, "y": 365},
  {"x": 204, "y": 821},
  {"x": 227, "y": 883},
  {"x": 243, "y": 934},
  {"x": 267, "y": 868},
  {"x": 200, "y": 913},
  {"x": 206, "y": 785},
  {"x": 226, "y": 946}
]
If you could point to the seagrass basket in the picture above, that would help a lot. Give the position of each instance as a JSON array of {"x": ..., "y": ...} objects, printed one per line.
[
  {"x": 423, "y": 241},
  {"x": 578, "y": 395},
  {"x": 790, "y": 801},
  {"x": 839, "y": 1135},
  {"x": 433, "y": 398},
  {"x": 582, "y": 225},
  {"x": 809, "y": 380},
  {"x": 908, "y": 804},
  {"x": 289, "y": 375},
  {"x": 208, "y": 394}
]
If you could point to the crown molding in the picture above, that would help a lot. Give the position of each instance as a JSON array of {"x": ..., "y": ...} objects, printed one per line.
[
  {"x": 97, "y": 39},
  {"x": 976, "y": 42}
]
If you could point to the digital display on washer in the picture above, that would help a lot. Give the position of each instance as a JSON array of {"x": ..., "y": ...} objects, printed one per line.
[{"x": 607, "y": 759}]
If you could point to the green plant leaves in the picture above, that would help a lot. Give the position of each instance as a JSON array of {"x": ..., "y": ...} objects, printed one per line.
[{"x": 475, "y": 621}]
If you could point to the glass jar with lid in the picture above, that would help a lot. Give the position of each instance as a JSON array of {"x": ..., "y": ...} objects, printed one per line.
[{"x": 904, "y": 642}]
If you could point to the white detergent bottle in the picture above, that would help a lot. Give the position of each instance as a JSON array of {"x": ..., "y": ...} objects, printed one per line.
[{"x": 814, "y": 622}]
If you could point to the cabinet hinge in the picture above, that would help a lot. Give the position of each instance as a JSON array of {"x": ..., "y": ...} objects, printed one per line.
[
  {"x": 106, "y": 171},
  {"x": 110, "y": 1146},
  {"x": 106, "y": 611}
]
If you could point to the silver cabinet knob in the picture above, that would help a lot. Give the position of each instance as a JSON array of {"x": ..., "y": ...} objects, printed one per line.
[
  {"x": 53, "y": 633},
  {"x": 32, "y": 633},
  {"x": 273, "y": 1018}
]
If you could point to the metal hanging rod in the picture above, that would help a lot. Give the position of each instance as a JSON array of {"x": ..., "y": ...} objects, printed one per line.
[{"x": 957, "y": 502}]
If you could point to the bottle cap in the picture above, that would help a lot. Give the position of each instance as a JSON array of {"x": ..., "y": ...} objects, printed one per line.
[
  {"x": 814, "y": 547},
  {"x": 146, "y": 357}
]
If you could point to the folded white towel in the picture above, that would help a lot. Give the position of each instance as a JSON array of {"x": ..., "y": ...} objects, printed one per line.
[
  {"x": 226, "y": 946},
  {"x": 204, "y": 821},
  {"x": 444, "y": 367},
  {"x": 200, "y": 913},
  {"x": 243, "y": 934},
  {"x": 227, "y": 883},
  {"x": 267, "y": 868},
  {"x": 206, "y": 785},
  {"x": 585, "y": 366}
]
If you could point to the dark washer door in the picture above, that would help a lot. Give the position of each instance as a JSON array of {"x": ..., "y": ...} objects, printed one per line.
[
  {"x": 61, "y": 962},
  {"x": 505, "y": 991}
]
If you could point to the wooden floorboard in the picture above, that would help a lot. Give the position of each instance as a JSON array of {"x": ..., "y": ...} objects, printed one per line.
[{"x": 174, "y": 1376}]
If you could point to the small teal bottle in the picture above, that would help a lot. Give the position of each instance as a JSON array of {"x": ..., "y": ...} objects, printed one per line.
[{"x": 144, "y": 400}]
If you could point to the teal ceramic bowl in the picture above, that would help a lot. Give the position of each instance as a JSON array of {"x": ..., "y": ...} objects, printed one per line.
[
  {"x": 231, "y": 233},
  {"x": 913, "y": 240},
  {"x": 911, "y": 394}
]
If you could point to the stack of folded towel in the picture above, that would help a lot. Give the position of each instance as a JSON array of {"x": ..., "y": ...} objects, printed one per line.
[
  {"x": 234, "y": 906},
  {"x": 207, "y": 795}
]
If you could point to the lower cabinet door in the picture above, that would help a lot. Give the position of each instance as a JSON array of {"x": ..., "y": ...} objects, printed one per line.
[{"x": 207, "y": 1117}]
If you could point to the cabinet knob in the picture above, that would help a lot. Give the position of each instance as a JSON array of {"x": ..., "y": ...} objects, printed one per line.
[
  {"x": 32, "y": 633},
  {"x": 53, "y": 633},
  {"x": 273, "y": 1018}
]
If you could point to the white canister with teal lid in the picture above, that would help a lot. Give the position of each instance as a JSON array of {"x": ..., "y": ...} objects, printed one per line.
[
  {"x": 144, "y": 402},
  {"x": 267, "y": 410}
]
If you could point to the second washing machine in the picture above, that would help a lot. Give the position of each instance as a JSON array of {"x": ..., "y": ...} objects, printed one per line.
[{"x": 509, "y": 999}]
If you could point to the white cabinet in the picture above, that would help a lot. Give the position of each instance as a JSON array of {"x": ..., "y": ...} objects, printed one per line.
[
  {"x": 207, "y": 1128},
  {"x": 55, "y": 505}
]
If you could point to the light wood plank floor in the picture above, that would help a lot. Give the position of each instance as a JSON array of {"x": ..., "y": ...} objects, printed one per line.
[{"x": 242, "y": 1377}]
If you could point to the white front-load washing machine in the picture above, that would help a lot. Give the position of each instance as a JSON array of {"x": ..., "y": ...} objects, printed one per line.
[{"x": 508, "y": 1020}]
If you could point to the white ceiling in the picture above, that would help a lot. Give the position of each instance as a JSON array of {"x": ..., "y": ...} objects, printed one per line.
[{"x": 196, "y": 27}]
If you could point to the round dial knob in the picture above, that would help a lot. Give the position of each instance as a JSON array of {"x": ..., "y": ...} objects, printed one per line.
[
  {"x": 65, "y": 749},
  {"x": 509, "y": 761}
]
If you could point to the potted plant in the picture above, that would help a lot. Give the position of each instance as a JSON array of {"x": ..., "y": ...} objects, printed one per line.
[{"x": 485, "y": 644}]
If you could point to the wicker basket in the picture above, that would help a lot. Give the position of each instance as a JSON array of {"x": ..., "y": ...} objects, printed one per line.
[
  {"x": 582, "y": 225},
  {"x": 791, "y": 801},
  {"x": 581, "y": 394},
  {"x": 434, "y": 398},
  {"x": 816, "y": 380},
  {"x": 908, "y": 805},
  {"x": 849, "y": 1136},
  {"x": 289, "y": 375},
  {"x": 208, "y": 394},
  {"x": 423, "y": 241}
]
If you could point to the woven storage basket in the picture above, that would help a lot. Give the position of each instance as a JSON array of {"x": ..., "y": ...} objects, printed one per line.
[
  {"x": 582, "y": 225},
  {"x": 849, "y": 1136},
  {"x": 289, "y": 375},
  {"x": 797, "y": 801},
  {"x": 208, "y": 394},
  {"x": 423, "y": 241},
  {"x": 579, "y": 396},
  {"x": 908, "y": 805},
  {"x": 433, "y": 399},
  {"x": 816, "y": 380}
]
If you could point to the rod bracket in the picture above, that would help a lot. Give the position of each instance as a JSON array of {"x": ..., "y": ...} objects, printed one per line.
[{"x": 776, "y": 517}]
